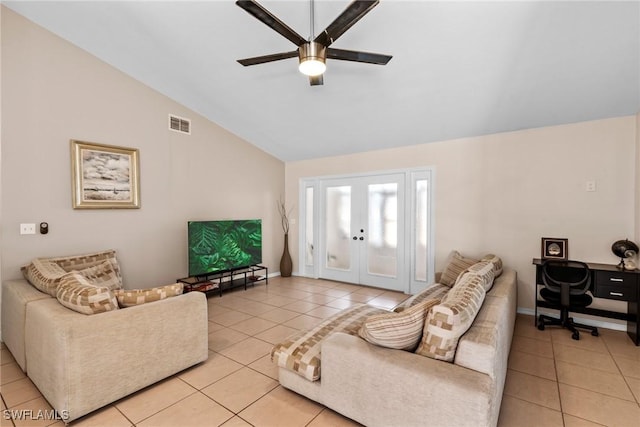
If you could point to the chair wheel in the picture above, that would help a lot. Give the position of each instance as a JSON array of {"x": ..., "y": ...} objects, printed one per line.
[
  {"x": 575, "y": 336},
  {"x": 540, "y": 325},
  {"x": 595, "y": 333}
]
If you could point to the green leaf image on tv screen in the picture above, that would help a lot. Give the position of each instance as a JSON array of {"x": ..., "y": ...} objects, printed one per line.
[{"x": 223, "y": 245}]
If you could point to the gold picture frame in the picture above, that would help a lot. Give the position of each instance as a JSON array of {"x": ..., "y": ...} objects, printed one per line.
[
  {"x": 104, "y": 176},
  {"x": 555, "y": 248}
]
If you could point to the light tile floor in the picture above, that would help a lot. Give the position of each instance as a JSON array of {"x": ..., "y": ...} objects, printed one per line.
[{"x": 552, "y": 380}]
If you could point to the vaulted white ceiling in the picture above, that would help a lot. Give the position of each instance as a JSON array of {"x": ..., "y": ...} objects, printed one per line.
[{"x": 459, "y": 69}]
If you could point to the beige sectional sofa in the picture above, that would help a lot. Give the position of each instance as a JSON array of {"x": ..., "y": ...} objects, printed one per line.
[
  {"x": 82, "y": 362},
  {"x": 380, "y": 386}
]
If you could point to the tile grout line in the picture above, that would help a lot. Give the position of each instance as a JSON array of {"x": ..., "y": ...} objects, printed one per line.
[
  {"x": 555, "y": 368},
  {"x": 593, "y": 391},
  {"x": 615, "y": 361}
]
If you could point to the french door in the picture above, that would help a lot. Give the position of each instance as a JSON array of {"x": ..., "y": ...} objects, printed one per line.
[
  {"x": 374, "y": 229},
  {"x": 361, "y": 230}
]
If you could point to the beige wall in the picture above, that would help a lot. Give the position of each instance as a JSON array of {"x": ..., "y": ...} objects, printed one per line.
[
  {"x": 637, "y": 181},
  {"x": 1, "y": 10},
  {"x": 501, "y": 193},
  {"x": 54, "y": 92}
]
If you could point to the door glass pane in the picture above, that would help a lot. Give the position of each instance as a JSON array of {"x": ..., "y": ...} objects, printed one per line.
[
  {"x": 382, "y": 234},
  {"x": 421, "y": 232},
  {"x": 308, "y": 232},
  {"x": 338, "y": 227}
]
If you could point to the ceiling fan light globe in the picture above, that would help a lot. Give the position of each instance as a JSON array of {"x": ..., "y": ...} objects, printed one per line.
[
  {"x": 312, "y": 57},
  {"x": 312, "y": 67}
]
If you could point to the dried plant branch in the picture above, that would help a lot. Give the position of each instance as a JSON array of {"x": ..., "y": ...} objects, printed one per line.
[{"x": 284, "y": 215}]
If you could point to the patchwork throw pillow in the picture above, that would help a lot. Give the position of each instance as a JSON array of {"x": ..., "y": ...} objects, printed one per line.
[
  {"x": 400, "y": 331},
  {"x": 456, "y": 265},
  {"x": 131, "y": 297},
  {"x": 104, "y": 275},
  {"x": 300, "y": 353},
  {"x": 435, "y": 291},
  {"x": 76, "y": 293},
  {"x": 44, "y": 275},
  {"x": 496, "y": 261},
  {"x": 484, "y": 270},
  {"x": 449, "y": 320},
  {"x": 81, "y": 262}
]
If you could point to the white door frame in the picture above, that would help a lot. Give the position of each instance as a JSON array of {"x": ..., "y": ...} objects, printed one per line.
[{"x": 411, "y": 284}]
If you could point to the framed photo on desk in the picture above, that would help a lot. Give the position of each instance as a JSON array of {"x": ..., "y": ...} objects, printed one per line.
[{"x": 554, "y": 248}]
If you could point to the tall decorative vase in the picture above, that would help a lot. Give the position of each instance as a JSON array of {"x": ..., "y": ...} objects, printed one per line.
[{"x": 286, "y": 265}]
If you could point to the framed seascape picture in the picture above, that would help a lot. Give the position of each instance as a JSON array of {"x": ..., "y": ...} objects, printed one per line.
[{"x": 104, "y": 176}]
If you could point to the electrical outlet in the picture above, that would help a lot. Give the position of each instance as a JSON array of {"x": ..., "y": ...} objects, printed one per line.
[
  {"x": 591, "y": 186},
  {"x": 27, "y": 229}
]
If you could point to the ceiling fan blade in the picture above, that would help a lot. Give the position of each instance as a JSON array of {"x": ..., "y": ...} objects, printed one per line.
[
  {"x": 316, "y": 80},
  {"x": 352, "y": 14},
  {"x": 355, "y": 56},
  {"x": 267, "y": 58},
  {"x": 270, "y": 20}
]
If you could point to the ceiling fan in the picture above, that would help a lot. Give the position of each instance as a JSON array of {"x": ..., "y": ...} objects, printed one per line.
[{"x": 312, "y": 54}]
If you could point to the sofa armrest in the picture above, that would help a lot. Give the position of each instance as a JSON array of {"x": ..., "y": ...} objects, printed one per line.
[
  {"x": 383, "y": 387},
  {"x": 81, "y": 363},
  {"x": 485, "y": 346}
]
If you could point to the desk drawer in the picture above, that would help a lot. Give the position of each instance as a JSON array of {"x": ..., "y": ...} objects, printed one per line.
[{"x": 615, "y": 285}]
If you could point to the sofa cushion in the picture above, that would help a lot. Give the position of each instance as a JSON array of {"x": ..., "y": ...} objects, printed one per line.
[
  {"x": 401, "y": 331},
  {"x": 496, "y": 261},
  {"x": 455, "y": 266},
  {"x": 44, "y": 275},
  {"x": 300, "y": 353},
  {"x": 131, "y": 297},
  {"x": 484, "y": 270},
  {"x": 435, "y": 291},
  {"x": 75, "y": 292},
  {"x": 447, "y": 321}
]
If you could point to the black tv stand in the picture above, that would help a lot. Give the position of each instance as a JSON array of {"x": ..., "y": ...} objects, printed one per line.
[{"x": 223, "y": 280}]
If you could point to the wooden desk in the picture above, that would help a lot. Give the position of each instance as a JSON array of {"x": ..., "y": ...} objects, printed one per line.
[{"x": 609, "y": 282}]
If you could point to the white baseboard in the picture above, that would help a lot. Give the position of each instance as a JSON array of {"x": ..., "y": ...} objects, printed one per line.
[{"x": 590, "y": 322}]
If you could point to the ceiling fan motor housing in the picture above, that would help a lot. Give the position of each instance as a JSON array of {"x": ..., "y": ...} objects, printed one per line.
[{"x": 312, "y": 57}]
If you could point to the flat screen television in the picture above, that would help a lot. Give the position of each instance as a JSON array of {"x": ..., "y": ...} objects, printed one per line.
[{"x": 216, "y": 246}]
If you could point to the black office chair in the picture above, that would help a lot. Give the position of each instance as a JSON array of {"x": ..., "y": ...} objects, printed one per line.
[{"x": 566, "y": 284}]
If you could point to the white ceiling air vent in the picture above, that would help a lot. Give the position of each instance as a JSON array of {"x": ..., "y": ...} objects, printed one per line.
[{"x": 179, "y": 124}]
